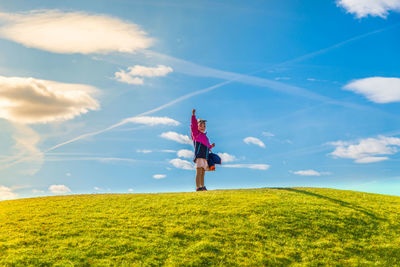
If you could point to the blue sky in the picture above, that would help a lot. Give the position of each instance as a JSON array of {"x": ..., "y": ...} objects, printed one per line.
[{"x": 96, "y": 97}]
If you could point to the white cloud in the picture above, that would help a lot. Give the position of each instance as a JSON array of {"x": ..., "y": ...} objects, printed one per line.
[
  {"x": 309, "y": 173},
  {"x": 375, "y": 8},
  {"x": 367, "y": 150},
  {"x": 248, "y": 166},
  {"x": 269, "y": 134},
  {"x": 185, "y": 153},
  {"x": 97, "y": 188},
  {"x": 124, "y": 77},
  {"x": 225, "y": 157},
  {"x": 144, "y": 151},
  {"x": 370, "y": 159},
  {"x": 377, "y": 89},
  {"x": 317, "y": 80},
  {"x": 7, "y": 193},
  {"x": 73, "y": 32},
  {"x": 135, "y": 74},
  {"x": 180, "y": 138},
  {"x": 59, "y": 189},
  {"x": 182, "y": 164},
  {"x": 68, "y": 174},
  {"x": 143, "y": 71},
  {"x": 282, "y": 78},
  {"x": 30, "y": 100},
  {"x": 168, "y": 151},
  {"x": 130, "y": 190},
  {"x": 255, "y": 141},
  {"x": 37, "y": 191},
  {"x": 189, "y": 154},
  {"x": 159, "y": 176},
  {"x": 151, "y": 121}
]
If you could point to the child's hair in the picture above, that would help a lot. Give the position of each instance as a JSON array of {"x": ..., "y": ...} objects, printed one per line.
[{"x": 201, "y": 121}]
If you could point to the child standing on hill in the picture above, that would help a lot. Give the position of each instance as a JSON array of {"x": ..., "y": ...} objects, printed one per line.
[{"x": 201, "y": 149}]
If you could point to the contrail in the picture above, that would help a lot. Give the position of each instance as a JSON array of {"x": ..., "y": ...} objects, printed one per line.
[
  {"x": 124, "y": 121},
  {"x": 190, "y": 68},
  {"x": 87, "y": 135},
  {"x": 184, "y": 97},
  {"x": 324, "y": 50},
  {"x": 238, "y": 77}
]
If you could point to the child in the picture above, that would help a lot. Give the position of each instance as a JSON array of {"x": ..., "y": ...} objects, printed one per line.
[{"x": 201, "y": 149}]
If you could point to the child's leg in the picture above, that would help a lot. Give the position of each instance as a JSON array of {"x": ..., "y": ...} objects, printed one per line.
[
  {"x": 199, "y": 172},
  {"x": 202, "y": 177}
]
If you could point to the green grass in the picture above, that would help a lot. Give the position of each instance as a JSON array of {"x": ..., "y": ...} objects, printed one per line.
[{"x": 272, "y": 226}]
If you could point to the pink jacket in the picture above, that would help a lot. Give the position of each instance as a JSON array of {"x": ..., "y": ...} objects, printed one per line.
[{"x": 197, "y": 135}]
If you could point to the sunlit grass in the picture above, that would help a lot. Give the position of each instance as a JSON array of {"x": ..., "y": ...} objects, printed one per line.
[{"x": 228, "y": 227}]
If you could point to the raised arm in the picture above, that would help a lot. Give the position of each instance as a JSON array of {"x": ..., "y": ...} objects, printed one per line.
[{"x": 194, "y": 126}]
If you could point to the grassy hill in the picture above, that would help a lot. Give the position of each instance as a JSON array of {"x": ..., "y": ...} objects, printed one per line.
[{"x": 272, "y": 226}]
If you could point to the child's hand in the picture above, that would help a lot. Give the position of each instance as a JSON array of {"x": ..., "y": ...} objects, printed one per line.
[
  {"x": 212, "y": 145},
  {"x": 193, "y": 111}
]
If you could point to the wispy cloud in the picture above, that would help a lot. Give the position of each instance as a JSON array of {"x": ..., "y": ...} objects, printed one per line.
[
  {"x": 367, "y": 150},
  {"x": 254, "y": 141},
  {"x": 7, "y": 193},
  {"x": 268, "y": 134},
  {"x": 26, "y": 141},
  {"x": 309, "y": 173},
  {"x": 159, "y": 176},
  {"x": 147, "y": 151},
  {"x": 73, "y": 32},
  {"x": 59, "y": 189},
  {"x": 182, "y": 164},
  {"x": 37, "y": 191},
  {"x": 174, "y": 136},
  {"x": 375, "y": 8},
  {"x": 26, "y": 150},
  {"x": 99, "y": 159},
  {"x": 371, "y": 159},
  {"x": 377, "y": 89},
  {"x": 151, "y": 121},
  {"x": 282, "y": 78},
  {"x": 316, "y": 80},
  {"x": 262, "y": 167},
  {"x": 168, "y": 151},
  {"x": 144, "y": 151},
  {"x": 136, "y": 74}
]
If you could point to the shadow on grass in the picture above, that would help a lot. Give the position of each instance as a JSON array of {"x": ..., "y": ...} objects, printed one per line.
[{"x": 337, "y": 201}]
